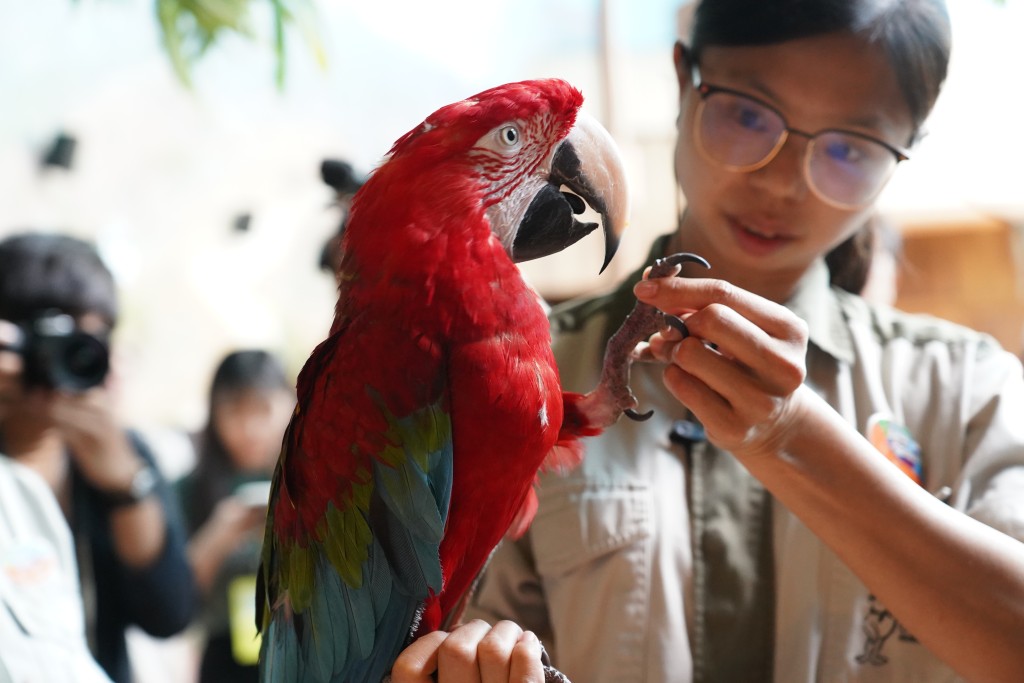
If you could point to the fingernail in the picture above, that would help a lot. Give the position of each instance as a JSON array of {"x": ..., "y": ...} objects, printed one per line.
[
  {"x": 645, "y": 288},
  {"x": 531, "y": 641},
  {"x": 671, "y": 334}
]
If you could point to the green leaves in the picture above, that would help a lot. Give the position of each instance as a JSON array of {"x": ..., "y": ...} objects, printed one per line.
[{"x": 190, "y": 27}]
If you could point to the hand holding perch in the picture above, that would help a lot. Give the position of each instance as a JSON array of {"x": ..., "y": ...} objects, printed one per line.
[{"x": 472, "y": 653}]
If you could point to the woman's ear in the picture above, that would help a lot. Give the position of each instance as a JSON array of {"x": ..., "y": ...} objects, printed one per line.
[{"x": 683, "y": 61}]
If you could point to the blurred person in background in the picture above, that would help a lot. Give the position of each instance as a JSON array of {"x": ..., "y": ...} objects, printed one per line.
[
  {"x": 42, "y": 620},
  {"x": 61, "y": 422},
  {"x": 250, "y": 401}
]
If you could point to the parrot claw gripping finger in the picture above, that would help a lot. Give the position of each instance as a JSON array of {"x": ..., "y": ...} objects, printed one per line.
[
  {"x": 643, "y": 321},
  {"x": 678, "y": 324}
]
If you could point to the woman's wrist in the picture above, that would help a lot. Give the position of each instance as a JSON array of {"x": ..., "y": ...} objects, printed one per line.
[{"x": 779, "y": 439}]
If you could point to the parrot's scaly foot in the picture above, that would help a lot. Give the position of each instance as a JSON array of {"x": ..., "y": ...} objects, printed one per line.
[
  {"x": 613, "y": 396},
  {"x": 552, "y": 675}
]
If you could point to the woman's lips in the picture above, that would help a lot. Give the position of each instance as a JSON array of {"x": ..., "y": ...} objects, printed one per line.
[{"x": 757, "y": 238}]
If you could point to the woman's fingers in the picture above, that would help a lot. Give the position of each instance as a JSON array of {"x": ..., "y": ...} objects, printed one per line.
[
  {"x": 680, "y": 296},
  {"x": 472, "y": 653},
  {"x": 526, "y": 663},
  {"x": 497, "y": 653},
  {"x": 457, "y": 657},
  {"x": 742, "y": 362},
  {"x": 776, "y": 364},
  {"x": 761, "y": 336},
  {"x": 418, "y": 661}
]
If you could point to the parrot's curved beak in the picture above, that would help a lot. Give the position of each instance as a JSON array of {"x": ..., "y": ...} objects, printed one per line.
[{"x": 587, "y": 162}]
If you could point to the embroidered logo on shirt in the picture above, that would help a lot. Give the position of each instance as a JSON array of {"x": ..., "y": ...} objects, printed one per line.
[
  {"x": 879, "y": 625},
  {"x": 29, "y": 563},
  {"x": 894, "y": 441}
]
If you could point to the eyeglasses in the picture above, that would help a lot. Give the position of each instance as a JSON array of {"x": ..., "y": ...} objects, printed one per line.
[{"x": 843, "y": 168}]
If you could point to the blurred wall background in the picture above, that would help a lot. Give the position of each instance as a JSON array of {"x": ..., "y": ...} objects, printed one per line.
[
  {"x": 208, "y": 205},
  {"x": 163, "y": 176}
]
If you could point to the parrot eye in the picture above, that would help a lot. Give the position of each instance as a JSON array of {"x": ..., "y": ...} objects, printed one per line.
[
  {"x": 505, "y": 140},
  {"x": 509, "y": 135}
]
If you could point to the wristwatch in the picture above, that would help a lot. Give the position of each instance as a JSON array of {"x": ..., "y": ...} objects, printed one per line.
[{"x": 142, "y": 486}]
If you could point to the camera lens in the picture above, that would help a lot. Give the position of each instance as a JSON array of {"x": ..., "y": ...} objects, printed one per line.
[
  {"x": 59, "y": 355},
  {"x": 81, "y": 362}
]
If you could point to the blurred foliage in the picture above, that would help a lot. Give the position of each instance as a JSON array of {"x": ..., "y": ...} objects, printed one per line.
[{"x": 190, "y": 27}]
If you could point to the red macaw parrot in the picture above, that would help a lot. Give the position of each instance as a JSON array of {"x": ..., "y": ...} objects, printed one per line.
[{"x": 424, "y": 416}]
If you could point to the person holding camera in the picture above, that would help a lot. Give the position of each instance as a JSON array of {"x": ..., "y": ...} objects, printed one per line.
[{"x": 60, "y": 421}]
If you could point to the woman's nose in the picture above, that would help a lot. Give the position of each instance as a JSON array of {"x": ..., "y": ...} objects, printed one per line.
[{"x": 783, "y": 176}]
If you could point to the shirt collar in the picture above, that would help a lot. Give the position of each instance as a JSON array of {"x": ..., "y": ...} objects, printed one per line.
[
  {"x": 817, "y": 303},
  {"x": 814, "y": 301}
]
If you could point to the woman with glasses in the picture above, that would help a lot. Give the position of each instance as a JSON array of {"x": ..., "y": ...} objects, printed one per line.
[{"x": 829, "y": 490}]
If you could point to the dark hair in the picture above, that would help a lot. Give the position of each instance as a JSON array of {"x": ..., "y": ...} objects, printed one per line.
[
  {"x": 40, "y": 272},
  {"x": 214, "y": 474},
  {"x": 915, "y": 34},
  {"x": 245, "y": 370},
  {"x": 849, "y": 264}
]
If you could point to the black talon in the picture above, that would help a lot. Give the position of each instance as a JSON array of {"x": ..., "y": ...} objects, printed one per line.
[
  {"x": 681, "y": 258},
  {"x": 677, "y": 324},
  {"x": 637, "y": 417}
]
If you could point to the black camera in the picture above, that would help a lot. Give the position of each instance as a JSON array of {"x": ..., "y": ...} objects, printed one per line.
[{"x": 56, "y": 354}]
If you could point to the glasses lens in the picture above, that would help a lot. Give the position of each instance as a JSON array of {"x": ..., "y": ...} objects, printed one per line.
[
  {"x": 848, "y": 170},
  {"x": 737, "y": 131}
]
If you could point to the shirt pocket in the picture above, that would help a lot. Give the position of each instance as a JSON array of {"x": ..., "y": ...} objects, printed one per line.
[{"x": 579, "y": 522}]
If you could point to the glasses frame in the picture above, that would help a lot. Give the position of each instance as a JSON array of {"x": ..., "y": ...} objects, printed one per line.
[{"x": 705, "y": 90}]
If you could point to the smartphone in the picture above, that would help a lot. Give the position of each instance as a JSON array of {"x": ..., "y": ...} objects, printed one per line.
[{"x": 254, "y": 494}]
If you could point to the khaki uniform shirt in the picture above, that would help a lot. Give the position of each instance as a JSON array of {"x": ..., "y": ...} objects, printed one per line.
[
  {"x": 42, "y": 627},
  {"x": 662, "y": 559}
]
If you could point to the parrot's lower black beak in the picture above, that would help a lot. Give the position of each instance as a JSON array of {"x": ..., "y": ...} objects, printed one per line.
[{"x": 588, "y": 164}]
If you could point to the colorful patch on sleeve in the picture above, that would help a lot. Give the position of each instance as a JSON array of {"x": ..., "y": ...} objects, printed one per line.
[{"x": 895, "y": 442}]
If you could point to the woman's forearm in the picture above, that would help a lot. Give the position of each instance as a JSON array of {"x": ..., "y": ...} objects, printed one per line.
[{"x": 956, "y": 584}]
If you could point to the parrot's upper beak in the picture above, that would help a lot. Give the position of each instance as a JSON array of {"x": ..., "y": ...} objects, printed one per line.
[{"x": 587, "y": 162}]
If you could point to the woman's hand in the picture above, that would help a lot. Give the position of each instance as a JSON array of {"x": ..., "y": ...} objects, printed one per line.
[
  {"x": 747, "y": 391},
  {"x": 741, "y": 369},
  {"x": 472, "y": 653},
  {"x": 231, "y": 523}
]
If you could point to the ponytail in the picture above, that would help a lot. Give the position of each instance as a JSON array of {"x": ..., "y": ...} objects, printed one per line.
[{"x": 850, "y": 262}]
